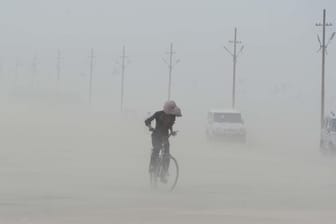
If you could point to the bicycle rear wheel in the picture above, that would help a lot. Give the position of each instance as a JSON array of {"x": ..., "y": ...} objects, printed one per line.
[{"x": 154, "y": 172}]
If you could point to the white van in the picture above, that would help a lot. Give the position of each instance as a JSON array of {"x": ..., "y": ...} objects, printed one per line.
[
  {"x": 226, "y": 124},
  {"x": 328, "y": 135}
]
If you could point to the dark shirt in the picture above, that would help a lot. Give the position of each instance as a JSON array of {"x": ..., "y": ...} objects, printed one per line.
[{"x": 163, "y": 122}]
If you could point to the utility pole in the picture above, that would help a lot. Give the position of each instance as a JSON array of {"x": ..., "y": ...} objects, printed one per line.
[
  {"x": 58, "y": 65},
  {"x": 34, "y": 70},
  {"x": 1, "y": 69},
  {"x": 170, "y": 66},
  {"x": 171, "y": 63},
  {"x": 323, "y": 48},
  {"x": 123, "y": 66},
  {"x": 91, "y": 75},
  {"x": 234, "y": 57},
  {"x": 17, "y": 65}
]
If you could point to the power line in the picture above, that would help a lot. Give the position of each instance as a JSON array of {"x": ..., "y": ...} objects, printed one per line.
[
  {"x": 171, "y": 64},
  {"x": 17, "y": 66},
  {"x": 234, "y": 55},
  {"x": 91, "y": 75},
  {"x": 58, "y": 65},
  {"x": 1, "y": 68},
  {"x": 34, "y": 70},
  {"x": 123, "y": 66},
  {"x": 323, "y": 48}
]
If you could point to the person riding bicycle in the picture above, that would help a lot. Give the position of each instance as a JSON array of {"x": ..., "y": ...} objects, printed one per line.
[{"x": 164, "y": 121}]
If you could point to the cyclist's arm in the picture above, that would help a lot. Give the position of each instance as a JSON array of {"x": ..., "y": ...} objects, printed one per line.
[
  {"x": 172, "y": 132},
  {"x": 171, "y": 127},
  {"x": 149, "y": 120}
]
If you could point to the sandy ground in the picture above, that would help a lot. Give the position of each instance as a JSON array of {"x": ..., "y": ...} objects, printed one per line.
[{"x": 71, "y": 168}]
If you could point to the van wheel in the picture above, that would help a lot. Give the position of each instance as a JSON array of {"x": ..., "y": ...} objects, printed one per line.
[{"x": 330, "y": 146}]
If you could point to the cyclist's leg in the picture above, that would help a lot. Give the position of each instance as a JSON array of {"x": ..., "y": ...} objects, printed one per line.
[
  {"x": 166, "y": 154},
  {"x": 156, "y": 142}
]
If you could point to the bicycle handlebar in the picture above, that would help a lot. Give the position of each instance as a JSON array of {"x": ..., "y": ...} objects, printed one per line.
[{"x": 174, "y": 133}]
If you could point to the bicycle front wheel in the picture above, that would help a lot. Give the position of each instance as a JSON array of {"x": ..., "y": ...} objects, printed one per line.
[
  {"x": 173, "y": 173},
  {"x": 164, "y": 179}
]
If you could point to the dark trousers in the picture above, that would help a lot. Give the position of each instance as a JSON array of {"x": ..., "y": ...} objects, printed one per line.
[{"x": 160, "y": 142}]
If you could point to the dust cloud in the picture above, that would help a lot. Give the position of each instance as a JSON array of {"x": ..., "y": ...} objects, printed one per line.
[{"x": 65, "y": 160}]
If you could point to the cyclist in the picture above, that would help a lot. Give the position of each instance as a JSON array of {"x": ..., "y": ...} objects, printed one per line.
[{"x": 164, "y": 121}]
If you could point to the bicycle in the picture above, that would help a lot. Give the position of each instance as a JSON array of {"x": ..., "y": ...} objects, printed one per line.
[{"x": 172, "y": 174}]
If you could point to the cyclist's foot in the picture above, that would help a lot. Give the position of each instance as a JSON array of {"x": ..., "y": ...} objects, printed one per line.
[
  {"x": 163, "y": 179},
  {"x": 151, "y": 169}
]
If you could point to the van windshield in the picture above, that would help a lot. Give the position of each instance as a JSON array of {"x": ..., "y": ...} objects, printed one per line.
[{"x": 227, "y": 118}]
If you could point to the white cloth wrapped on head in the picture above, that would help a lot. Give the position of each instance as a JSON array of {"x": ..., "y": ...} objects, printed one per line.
[{"x": 170, "y": 107}]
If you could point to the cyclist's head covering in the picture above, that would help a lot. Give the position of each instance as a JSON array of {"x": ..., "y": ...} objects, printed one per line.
[{"x": 170, "y": 107}]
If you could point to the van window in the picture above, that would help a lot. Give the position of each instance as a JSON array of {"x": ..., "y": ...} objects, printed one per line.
[{"x": 227, "y": 118}]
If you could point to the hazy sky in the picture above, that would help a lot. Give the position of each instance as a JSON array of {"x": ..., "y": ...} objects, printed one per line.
[{"x": 279, "y": 38}]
